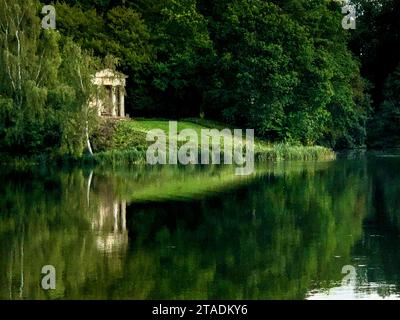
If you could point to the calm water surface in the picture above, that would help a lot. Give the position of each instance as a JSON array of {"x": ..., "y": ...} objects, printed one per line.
[{"x": 204, "y": 233}]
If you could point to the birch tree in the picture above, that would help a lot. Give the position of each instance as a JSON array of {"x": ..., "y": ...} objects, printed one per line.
[
  {"x": 29, "y": 59},
  {"x": 41, "y": 89},
  {"x": 79, "y": 117}
]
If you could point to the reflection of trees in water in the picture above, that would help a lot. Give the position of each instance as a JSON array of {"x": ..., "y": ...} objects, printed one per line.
[
  {"x": 274, "y": 237},
  {"x": 379, "y": 248},
  {"x": 52, "y": 219}
]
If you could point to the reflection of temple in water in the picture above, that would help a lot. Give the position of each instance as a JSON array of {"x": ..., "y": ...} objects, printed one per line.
[
  {"x": 111, "y": 225},
  {"x": 109, "y": 221}
]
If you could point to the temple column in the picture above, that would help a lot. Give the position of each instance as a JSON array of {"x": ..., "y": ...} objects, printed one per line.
[
  {"x": 122, "y": 102},
  {"x": 116, "y": 211},
  {"x": 99, "y": 103},
  {"x": 123, "y": 215},
  {"x": 114, "y": 102}
]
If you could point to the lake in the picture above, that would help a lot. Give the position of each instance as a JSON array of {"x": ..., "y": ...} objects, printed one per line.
[{"x": 286, "y": 232}]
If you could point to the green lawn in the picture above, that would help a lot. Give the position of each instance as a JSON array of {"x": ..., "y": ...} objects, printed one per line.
[{"x": 128, "y": 143}]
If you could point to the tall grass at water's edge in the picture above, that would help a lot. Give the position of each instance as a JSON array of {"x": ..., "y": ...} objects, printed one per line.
[
  {"x": 133, "y": 157},
  {"x": 279, "y": 152}
]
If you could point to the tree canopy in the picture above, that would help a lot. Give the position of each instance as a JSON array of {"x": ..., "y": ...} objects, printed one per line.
[{"x": 286, "y": 68}]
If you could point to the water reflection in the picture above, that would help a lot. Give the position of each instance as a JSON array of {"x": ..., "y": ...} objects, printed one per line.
[
  {"x": 111, "y": 225},
  {"x": 202, "y": 233}
]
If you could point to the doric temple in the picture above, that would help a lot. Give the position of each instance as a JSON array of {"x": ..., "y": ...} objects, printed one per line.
[{"x": 113, "y": 104}]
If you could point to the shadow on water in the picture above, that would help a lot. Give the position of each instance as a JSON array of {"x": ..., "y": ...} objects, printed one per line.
[{"x": 201, "y": 232}]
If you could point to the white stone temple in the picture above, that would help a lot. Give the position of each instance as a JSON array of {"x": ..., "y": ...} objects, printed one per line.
[{"x": 113, "y": 105}]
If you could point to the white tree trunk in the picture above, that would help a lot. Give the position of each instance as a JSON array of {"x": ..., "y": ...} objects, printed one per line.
[
  {"x": 87, "y": 138},
  {"x": 88, "y": 188}
]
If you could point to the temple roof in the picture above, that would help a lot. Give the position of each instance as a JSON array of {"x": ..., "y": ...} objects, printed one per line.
[{"x": 110, "y": 77}]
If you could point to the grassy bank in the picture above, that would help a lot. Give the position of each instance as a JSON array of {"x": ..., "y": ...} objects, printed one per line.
[
  {"x": 124, "y": 142},
  {"x": 119, "y": 143}
]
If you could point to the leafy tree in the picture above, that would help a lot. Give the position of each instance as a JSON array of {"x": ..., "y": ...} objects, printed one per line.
[
  {"x": 86, "y": 27},
  {"x": 183, "y": 54},
  {"x": 386, "y": 124},
  {"x": 347, "y": 104},
  {"x": 120, "y": 32},
  {"x": 285, "y": 70},
  {"x": 255, "y": 66},
  {"x": 78, "y": 118},
  {"x": 29, "y": 60},
  {"x": 45, "y": 88},
  {"x": 374, "y": 42}
]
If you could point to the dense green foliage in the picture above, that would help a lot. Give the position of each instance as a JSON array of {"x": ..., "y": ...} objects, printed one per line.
[
  {"x": 285, "y": 68},
  {"x": 376, "y": 42},
  {"x": 45, "y": 85},
  {"x": 257, "y": 64}
]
